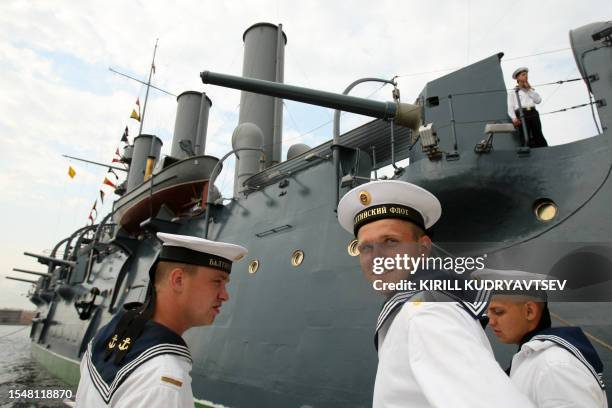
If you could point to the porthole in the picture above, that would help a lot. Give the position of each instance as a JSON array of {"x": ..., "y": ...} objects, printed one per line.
[
  {"x": 297, "y": 257},
  {"x": 545, "y": 210},
  {"x": 352, "y": 248},
  {"x": 253, "y": 266}
]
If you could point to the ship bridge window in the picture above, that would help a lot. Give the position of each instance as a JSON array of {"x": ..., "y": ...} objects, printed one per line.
[{"x": 432, "y": 101}]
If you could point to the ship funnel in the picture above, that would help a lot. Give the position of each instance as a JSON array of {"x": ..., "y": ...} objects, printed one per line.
[
  {"x": 248, "y": 162},
  {"x": 264, "y": 50},
  {"x": 190, "y": 125},
  {"x": 144, "y": 146}
]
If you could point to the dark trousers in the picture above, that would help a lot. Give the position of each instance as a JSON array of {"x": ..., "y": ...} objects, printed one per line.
[{"x": 534, "y": 128}]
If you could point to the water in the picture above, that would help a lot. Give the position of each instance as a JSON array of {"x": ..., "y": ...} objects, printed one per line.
[{"x": 19, "y": 372}]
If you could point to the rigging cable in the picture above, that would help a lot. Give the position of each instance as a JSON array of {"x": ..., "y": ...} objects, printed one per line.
[
  {"x": 570, "y": 108},
  {"x": 538, "y": 54},
  {"x": 411, "y": 74}
]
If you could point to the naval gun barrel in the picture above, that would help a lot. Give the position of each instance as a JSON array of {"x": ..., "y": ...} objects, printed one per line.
[
  {"x": 403, "y": 114},
  {"x": 21, "y": 280},
  {"x": 31, "y": 272},
  {"x": 48, "y": 259}
]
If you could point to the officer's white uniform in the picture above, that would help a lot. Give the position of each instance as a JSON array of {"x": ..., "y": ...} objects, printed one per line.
[
  {"x": 552, "y": 377},
  {"x": 134, "y": 361},
  {"x": 430, "y": 354},
  {"x": 163, "y": 381}
]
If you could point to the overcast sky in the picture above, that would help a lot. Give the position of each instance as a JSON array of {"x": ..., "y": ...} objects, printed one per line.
[{"x": 58, "y": 96}]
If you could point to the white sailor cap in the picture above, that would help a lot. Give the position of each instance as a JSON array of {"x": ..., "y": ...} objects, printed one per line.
[
  {"x": 382, "y": 199},
  {"x": 518, "y": 71},
  {"x": 199, "y": 251}
]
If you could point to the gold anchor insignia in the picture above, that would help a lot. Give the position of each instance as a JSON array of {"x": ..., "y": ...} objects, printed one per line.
[
  {"x": 364, "y": 197},
  {"x": 125, "y": 344},
  {"x": 113, "y": 342}
]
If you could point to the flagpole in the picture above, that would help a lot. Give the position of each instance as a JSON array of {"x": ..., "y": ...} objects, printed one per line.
[{"x": 144, "y": 108}]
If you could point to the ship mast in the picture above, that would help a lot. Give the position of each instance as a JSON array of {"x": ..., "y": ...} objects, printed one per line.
[
  {"x": 151, "y": 159},
  {"x": 148, "y": 84},
  {"x": 151, "y": 71}
]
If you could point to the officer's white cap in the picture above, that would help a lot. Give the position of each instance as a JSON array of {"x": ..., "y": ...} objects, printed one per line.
[
  {"x": 518, "y": 71},
  {"x": 396, "y": 199},
  {"x": 199, "y": 251}
]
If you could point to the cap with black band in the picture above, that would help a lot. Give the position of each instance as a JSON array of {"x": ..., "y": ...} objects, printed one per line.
[
  {"x": 199, "y": 251},
  {"x": 191, "y": 257},
  {"x": 382, "y": 199}
]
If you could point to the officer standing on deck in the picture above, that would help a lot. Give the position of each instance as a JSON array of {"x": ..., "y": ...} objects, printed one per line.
[
  {"x": 140, "y": 359},
  {"x": 554, "y": 366},
  {"x": 432, "y": 349},
  {"x": 528, "y": 98}
]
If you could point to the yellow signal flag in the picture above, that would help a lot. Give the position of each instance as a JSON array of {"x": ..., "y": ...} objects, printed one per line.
[
  {"x": 71, "y": 172},
  {"x": 135, "y": 115},
  {"x": 109, "y": 183}
]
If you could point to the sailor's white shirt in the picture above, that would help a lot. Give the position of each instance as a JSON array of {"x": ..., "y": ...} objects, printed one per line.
[
  {"x": 553, "y": 377},
  {"x": 163, "y": 381},
  {"x": 529, "y": 98},
  {"x": 434, "y": 354}
]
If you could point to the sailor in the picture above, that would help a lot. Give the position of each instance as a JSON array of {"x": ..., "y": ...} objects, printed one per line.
[
  {"x": 554, "y": 366},
  {"x": 140, "y": 359},
  {"x": 528, "y": 98},
  {"x": 432, "y": 349}
]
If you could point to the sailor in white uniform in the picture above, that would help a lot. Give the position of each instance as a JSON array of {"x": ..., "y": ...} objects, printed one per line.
[
  {"x": 554, "y": 366},
  {"x": 432, "y": 349},
  {"x": 140, "y": 359},
  {"x": 528, "y": 98}
]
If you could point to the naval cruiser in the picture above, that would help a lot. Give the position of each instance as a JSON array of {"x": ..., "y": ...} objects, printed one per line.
[{"x": 298, "y": 328}]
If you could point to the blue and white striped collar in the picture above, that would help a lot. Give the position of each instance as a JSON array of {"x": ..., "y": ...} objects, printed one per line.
[
  {"x": 575, "y": 341},
  {"x": 475, "y": 303},
  {"x": 155, "y": 340}
]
